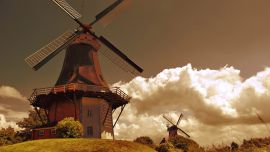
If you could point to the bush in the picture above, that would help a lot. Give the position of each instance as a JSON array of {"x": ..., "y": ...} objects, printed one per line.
[
  {"x": 69, "y": 128},
  {"x": 165, "y": 147},
  {"x": 185, "y": 144},
  {"x": 234, "y": 146},
  {"x": 144, "y": 140},
  {"x": 9, "y": 136}
]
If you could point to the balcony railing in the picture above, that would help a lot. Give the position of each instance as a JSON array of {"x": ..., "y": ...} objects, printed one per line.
[{"x": 72, "y": 87}]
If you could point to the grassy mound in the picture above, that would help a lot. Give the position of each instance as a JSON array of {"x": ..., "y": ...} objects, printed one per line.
[{"x": 76, "y": 145}]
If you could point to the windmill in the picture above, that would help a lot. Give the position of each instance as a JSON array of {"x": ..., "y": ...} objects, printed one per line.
[
  {"x": 174, "y": 128},
  {"x": 80, "y": 91}
]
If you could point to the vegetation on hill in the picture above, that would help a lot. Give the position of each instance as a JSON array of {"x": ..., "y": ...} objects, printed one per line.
[
  {"x": 251, "y": 145},
  {"x": 145, "y": 140},
  {"x": 77, "y": 145}
]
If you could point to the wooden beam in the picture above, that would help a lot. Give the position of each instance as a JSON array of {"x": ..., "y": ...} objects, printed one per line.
[{"x": 122, "y": 108}]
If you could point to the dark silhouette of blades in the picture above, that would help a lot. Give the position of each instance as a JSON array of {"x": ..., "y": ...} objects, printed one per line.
[
  {"x": 168, "y": 120},
  {"x": 126, "y": 64},
  {"x": 179, "y": 119},
  {"x": 68, "y": 9},
  {"x": 107, "y": 10},
  {"x": 42, "y": 56},
  {"x": 183, "y": 132}
]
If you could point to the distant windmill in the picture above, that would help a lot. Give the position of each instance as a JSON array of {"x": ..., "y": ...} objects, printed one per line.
[{"x": 174, "y": 128}]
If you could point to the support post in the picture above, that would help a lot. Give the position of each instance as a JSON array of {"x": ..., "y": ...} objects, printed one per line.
[{"x": 122, "y": 108}]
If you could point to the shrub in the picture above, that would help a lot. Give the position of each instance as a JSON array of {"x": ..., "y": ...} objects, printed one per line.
[
  {"x": 144, "y": 140},
  {"x": 234, "y": 146},
  {"x": 185, "y": 144},
  {"x": 9, "y": 136},
  {"x": 69, "y": 128},
  {"x": 165, "y": 147}
]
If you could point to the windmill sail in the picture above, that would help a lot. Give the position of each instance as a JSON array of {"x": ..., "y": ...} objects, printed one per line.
[
  {"x": 42, "y": 56},
  {"x": 184, "y": 132},
  {"x": 119, "y": 58},
  {"x": 179, "y": 119},
  {"x": 68, "y": 9},
  {"x": 168, "y": 120},
  {"x": 109, "y": 10}
]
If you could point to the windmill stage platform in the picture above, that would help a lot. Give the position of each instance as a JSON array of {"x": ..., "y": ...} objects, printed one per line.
[{"x": 115, "y": 96}]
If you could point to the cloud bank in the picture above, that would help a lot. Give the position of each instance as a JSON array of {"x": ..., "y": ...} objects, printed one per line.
[
  {"x": 5, "y": 124},
  {"x": 10, "y": 92},
  {"x": 13, "y": 106},
  {"x": 217, "y": 104}
]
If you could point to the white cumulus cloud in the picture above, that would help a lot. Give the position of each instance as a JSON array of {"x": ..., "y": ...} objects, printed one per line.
[
  {"x": 4, "y": 123},
  {"x": 214, "y": 102}
]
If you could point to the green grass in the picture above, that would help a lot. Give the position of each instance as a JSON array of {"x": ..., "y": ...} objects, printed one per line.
[{"x": 76, "y": 145}]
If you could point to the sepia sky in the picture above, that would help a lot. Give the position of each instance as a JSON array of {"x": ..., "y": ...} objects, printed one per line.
[{"x": 156, "y": 34}]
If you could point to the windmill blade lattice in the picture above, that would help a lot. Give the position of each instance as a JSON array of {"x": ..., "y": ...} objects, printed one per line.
[
  {"x": 168, "y": 120},
  {"x": 119, "y": 58},
  {"x": 68, "y": 9},
  {"x": 42, "y": 56},
  {"x": 183, "y": 132},
  {"x": 179, "y": 119},
  {"x": 107, "y": 11}
]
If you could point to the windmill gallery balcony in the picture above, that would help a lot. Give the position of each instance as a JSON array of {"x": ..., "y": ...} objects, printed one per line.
[{"x": 115, "y": 96}]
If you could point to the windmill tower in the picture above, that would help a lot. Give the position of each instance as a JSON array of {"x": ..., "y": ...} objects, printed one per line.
[
  {"x": 80, "y": 91},
  {"x": 173, "y": 129}
]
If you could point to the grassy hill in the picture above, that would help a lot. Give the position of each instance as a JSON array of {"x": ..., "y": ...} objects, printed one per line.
[{"x": 76, "y": 145}]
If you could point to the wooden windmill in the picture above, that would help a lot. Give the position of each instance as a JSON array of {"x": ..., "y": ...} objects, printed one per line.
[
  {"x": 173, "y": 129},
  {"x": 80, "y": 91}
]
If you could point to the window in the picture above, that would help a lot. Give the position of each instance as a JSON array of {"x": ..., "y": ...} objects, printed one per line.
[
  {"x": 89, "y": 131},
  {"x": 41, "y": 132},
  {"x": 53, "y": 131},
  {"x": 89, "y": 113}
]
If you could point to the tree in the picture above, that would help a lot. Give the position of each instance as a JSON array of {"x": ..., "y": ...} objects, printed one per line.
[
  {"x": 69, "y": 128},
  {"x": 33, "y": 120},
  {"x": 9, "y": 136}
]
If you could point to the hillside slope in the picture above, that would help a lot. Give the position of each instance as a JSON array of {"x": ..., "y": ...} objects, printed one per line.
[{"x": 76, "y": 145}]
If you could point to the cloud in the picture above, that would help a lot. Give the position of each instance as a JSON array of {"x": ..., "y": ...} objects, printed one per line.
[
  {"x": 10, "y": 92},
  {"x": 4, "y": 123},
  {"x": 13, "y": 105},
  {"x": 213, "y": 102}
]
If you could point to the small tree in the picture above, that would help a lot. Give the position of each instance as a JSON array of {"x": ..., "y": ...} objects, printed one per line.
[
  {"x": 32, "y": 121},
  {"x": 69, "y": 128}
]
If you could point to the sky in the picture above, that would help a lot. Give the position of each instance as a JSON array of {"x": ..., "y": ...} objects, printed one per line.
[{"x": 214, "y": 52}]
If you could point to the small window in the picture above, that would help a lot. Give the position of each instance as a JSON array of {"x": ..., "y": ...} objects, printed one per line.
[
  {"x": 41, "y": 132},
  {"x": 89, "y": 113},
  {"x": 53, "y": 131},
  {"x": 89, "y": 131}
]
